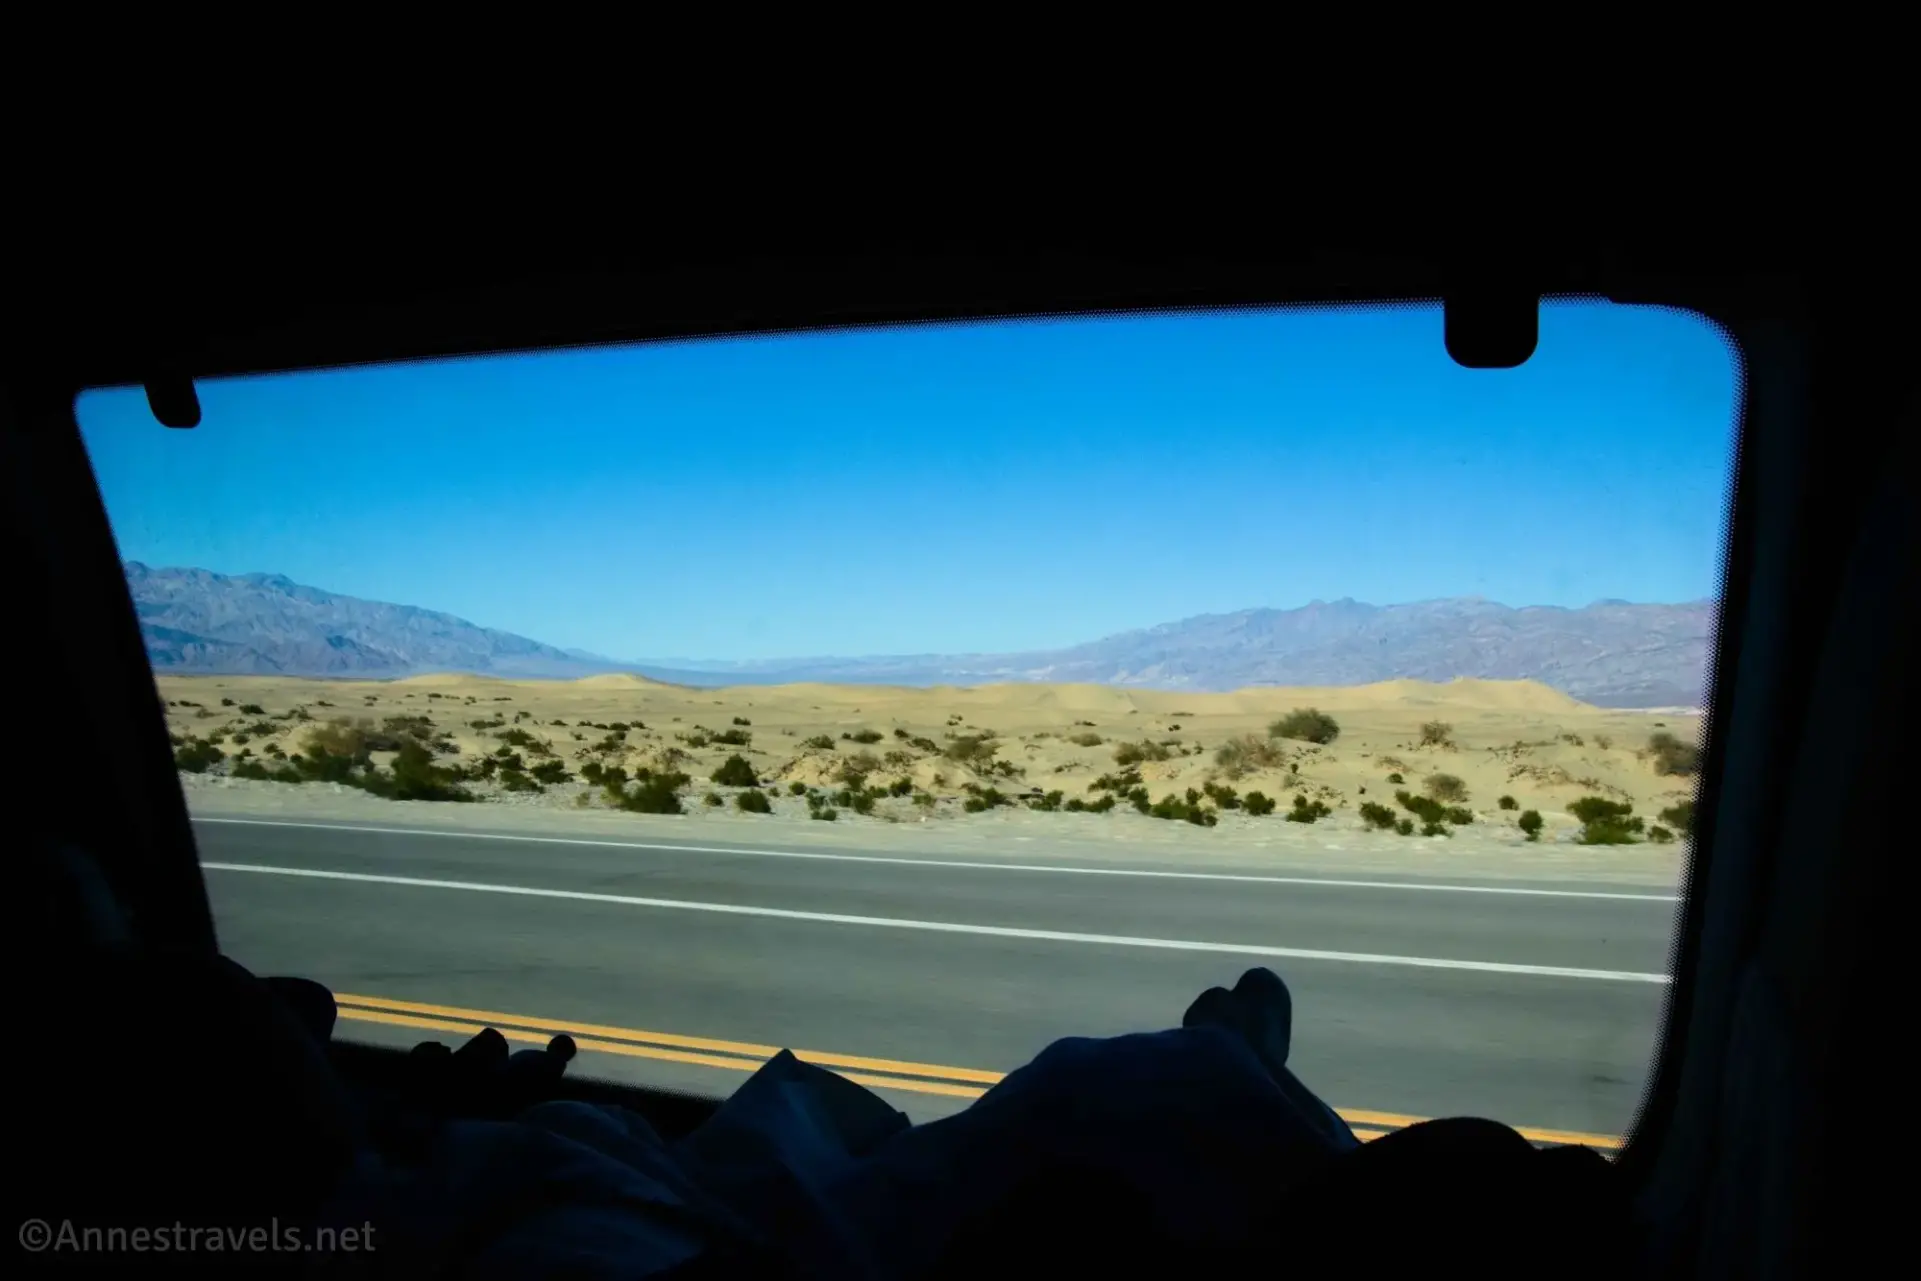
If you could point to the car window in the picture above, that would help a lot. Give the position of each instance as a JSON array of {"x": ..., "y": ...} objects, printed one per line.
[{"x": 913, "y": 697}]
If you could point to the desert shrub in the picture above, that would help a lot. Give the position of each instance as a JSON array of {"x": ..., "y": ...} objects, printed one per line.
[
  {"x": 1435, "y": 829},
  {"x": 252, "y": 709},
  {"x": 1508, "y": 803},
  {"x": 197, "y": 756},
  {"x": 700, "y": 738},
  {"x": 337, "y": 737},
  {"x": 1046, "y": 803},
  {"x": 742, "y": 721},
  {"x": 1258, "y": 804},
  {"x": 797, "y": 788},
  {"x": 1376, "y": 815},
  {"x": 735, "y": 771},
  {"x": 1672, "y": 756},
  {"x": 516, "y": 781},
  {"x": 1459, "y": 815},
  {"x": 1605, "y": 822},
  {"x": 1183, "y": 809},
  {"x": 1446, "y": 787},
  {"x": 818, "y": 741},
  {"x": 971, "y": 749},
  {"x": 1680, "y": 817},
  {"x": 1306, "y": 811},
  {"x": 824, "y": 813},
  {"x": 651, "y": 794},
  {"x": 250, "y": 769},
  {"x": 1085, "y": 738},
  {"x": 1603, "y": 741},
  {"x": 924, "y": 800},
  {"x": 226, "y": 702},
  {"x": 1238, "y": 756},
  {"x": 509, "y": 759},
  {"x": 550, "y": 771},
  {"x": 1396, "y": 779},
  {"x": 732, "y": 737},
  {"x": 1425, "y": 808},
  {"x": 984, "y": 798},
  {"x": 1573, "y": 740},
  {"x": 1307, "y": 724},
  {"x": 1222, "y": 796},
  {"x": 863, "y": 736},
  {"x": 924, "y": 744},
  {"x": 1120, "y": 782},
  {"x": 1135, "y": 753},
  {"x": 1599, "y": 809},
  {"x": 754, "y": 802},
  {"x": 1405, "y": 827},
  {"x": 1660, "y": 835},
  {"x": 415, "y": 777},
  {"x": 1530, "y": 824},
  {"x": 514, "y": 737},
  {"x": 855, "y": 769},
  {"x": 1437, "y": 734},
  {"x": 712, "y": 800},
  {"x": 901, "y": 787}
]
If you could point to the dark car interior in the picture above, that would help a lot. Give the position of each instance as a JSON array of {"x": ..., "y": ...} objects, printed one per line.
[{"x": 1758, "y": 1150}]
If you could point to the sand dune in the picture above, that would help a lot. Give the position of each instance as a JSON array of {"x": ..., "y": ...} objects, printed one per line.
[{"x": 1507, "y": 738}]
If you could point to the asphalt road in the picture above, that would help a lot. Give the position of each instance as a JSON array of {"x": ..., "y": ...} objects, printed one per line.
[{"x": 683, "y": 967}]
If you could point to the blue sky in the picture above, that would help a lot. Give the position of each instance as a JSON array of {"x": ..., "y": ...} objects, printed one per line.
[{"x": 955, "y": 488}]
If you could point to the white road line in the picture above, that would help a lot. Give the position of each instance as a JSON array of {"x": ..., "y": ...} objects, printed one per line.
[
  {"x": 947, "y": 927},
  {"x": 1144, "y": 873}
]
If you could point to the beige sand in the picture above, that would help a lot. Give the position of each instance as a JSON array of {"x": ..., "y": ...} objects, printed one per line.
[{"x": 1513, "y": 738}]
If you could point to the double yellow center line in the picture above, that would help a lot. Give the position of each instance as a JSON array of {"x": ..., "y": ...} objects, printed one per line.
[{"x": 742, "y": 1056}]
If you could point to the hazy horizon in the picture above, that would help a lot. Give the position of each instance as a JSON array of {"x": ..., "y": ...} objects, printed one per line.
[{"x": 967, "y": 489}]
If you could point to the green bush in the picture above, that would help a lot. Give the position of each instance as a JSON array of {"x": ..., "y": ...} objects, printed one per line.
[
  {"x": 1046, "y": 803},
  {"x": 712, "y": 800},
  {"x": 1459, "y": 815},
  {"x": 1425, "y": 808},
  {"x": 1435, "y": 829},
  {"x": 1135, "y": 753},
  {"x": 1306, "y": 811},
  {"x": 1437, "y": 734},
  {"x": 198, "y": 756},
  {"x": 1307, "y": 724},
  {"x": 415, "y": 777},
  {"x": 1680, "y": 817},
  {"x": 1405, "y": 827},
  {"x": 971, "y": 749},
  {"x": 1258, "y": 804},
  {"x": 742, "y": 721},
  {"x": 863, "y": 736},
  {"x": 651, "y": 794},
  {"x": 1508, "y": 803},
  {"x": 901, "y": 787},
  {"x": 1446, "y": 787},
  {"x": 983, "y": 798},
  {"x": 732, "y": 737},
  {"x": 754, "y": 802},
  {"x": 1085, "y": 739},
  {"x": 1396, "y": 779},
  {"x": 252, "y": 709},
  {"x": 1239, "y": 756},
  {"x": 550, "y": 771},
  {"x": 825, "y": 814},
  {"x": 1606, "y": 822},
  {"x": 226, "y": 702},
  {"x": 515, "y": 781},
  {"x": 819, "y": 742},
  {"x": 251, "y": 769},
  {"x": 1530, "y": 823},
  {"x": 1672, "y": 756},
  {"x": 797, "y": 789},
  {"x": 1222, "y": 796},
  {"x": 735, "y": 771},
  {"x": 1660, "y": 835},
  {"x": 1598, "y": 809},
  {"x": 1375, "y": 815}
]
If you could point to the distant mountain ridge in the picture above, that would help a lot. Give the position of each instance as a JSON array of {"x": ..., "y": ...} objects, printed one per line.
[{"x": 1611, "y": 653}]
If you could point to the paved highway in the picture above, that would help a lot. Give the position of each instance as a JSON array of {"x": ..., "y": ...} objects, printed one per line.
[{"x": 1537, "y": 1004}]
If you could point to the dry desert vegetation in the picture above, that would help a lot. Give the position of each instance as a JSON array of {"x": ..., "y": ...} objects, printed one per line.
[{"x": 1397, "y": 759}]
